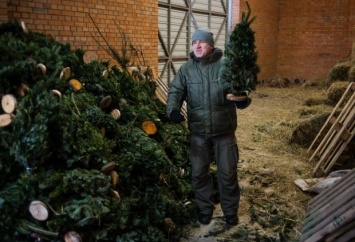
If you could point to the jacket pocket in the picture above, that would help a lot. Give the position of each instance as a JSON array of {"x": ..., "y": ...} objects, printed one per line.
[
  {"x": 217, "y": 92},
  {"x": 194, "y": 93}
]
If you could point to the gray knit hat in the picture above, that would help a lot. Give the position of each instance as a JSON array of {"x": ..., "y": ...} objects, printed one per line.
[{"x": 203, "y": 34}]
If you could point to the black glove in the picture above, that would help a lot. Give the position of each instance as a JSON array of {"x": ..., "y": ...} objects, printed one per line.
[
  {"x": 243, "y": 104},
  {"x": 176, "y": 117}
]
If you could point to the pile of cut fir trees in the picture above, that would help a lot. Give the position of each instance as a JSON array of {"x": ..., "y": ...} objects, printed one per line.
[{"x": 87, "y": 153}]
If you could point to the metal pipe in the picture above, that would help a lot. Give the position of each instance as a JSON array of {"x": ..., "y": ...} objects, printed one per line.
[{"x": 229, "y": 19}]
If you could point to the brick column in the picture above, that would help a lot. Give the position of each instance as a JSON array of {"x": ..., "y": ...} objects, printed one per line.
[{"x": 3, "y": 11}]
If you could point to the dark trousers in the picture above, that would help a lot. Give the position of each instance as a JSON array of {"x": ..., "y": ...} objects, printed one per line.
[{"x": 226, "y": 154}]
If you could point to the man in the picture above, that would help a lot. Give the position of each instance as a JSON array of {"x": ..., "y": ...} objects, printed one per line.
[{"x": 212, "y": 121}]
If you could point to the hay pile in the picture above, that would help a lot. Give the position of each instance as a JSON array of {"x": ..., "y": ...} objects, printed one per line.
[
  {"x": 335, "y": 92},
  {"x": 277, "y": 81},
  {"x": 339, "y": 72}
]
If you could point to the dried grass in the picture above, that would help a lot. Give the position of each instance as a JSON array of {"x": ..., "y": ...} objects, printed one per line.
[
  {"x": 352, "y": 73},
  {"x": 314, "y": 82},
  {"x": 339, "y": 72},
  {"x": 314, "y": 101},
  {"x": 336, "y": 91},
  {"x": 307, "y": 112},
  {"x": 278, "y": 82},
  {"x": 306, "y": 130},
  {"x": 272, "y": 157}
]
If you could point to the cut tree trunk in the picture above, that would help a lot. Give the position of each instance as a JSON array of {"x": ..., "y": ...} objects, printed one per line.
[
  {"x": 5, "y": 119},
  {"x": 8, "y": 103},
  {"x": 38, "y": 210}
]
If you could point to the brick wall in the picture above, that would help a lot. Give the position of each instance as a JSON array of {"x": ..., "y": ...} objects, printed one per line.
[
  {"x": 300, "y": 39},
  {"x": 3, "y": 11},
  {"x": 313, "y": 37},
  {"x": 294, "y": 39},
  {"x": 68, "y": 21},
  {"x": 352, "y": 22}
]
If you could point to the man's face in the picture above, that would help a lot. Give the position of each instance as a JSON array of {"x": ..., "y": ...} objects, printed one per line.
[{"x": 201, "y": 48}]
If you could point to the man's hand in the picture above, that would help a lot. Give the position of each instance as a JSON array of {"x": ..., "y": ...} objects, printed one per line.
[
  {"x": 235, "y": 98},
  {"x": 176, "y": 117}
]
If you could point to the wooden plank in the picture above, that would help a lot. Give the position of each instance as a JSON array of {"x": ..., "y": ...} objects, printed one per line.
[
  {"x": 338, "y": 124},
  {"x": 336, "y": 147},
  {"x": 342, "y": 216},
  {"x": 162, "y": 95},
  {"x": 331, "y": 214},
  {"x": 332, "y": 129},
  {"x": 329, "y": 194},
  {"x": 327, "y": 198},
  {"x": 344, "y": 233},
  {"x": 162, "y": 85},
  {"x": 346, "y": 135},
  {"x": 341, "y": 146},
  {"x": 341, "y": 100},
  {"x": 325, "y": 211},
  {"x": 348, "y": 237}
]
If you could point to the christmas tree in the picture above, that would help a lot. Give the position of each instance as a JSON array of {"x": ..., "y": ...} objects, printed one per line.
[
  {"x": 240, "y": 67},
  {"x": 77, "y": 158}
]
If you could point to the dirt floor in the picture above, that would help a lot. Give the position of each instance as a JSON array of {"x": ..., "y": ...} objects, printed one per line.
[{"x": 272, "y": 208}]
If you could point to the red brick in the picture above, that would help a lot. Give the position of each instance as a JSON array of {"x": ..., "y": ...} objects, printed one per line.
[{"x": 23, "y": 9}]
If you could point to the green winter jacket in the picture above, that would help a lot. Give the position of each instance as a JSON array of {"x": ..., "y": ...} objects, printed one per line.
[{"x": 209, "y": 112}]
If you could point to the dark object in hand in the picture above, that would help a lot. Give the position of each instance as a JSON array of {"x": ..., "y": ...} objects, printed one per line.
[
  {"x": 176, "y": 117},
  {"x": 243, "y": 104}
]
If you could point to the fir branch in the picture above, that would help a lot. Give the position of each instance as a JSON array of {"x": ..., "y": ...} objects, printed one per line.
[
  {"x": 73, "y": 100},
  {"x": 123, "y": 59}
]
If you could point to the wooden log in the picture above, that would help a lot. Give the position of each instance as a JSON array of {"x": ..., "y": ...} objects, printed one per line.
[
  {"x": 57, "y": 93},
  {"x": 38, "y": 210},
  {"x": 5, "y": 119},
  {"x": 105, "y": 102},
  {"x": 149, "y": 127},
  {"x": 72, "y": 236},
  {"x": 22, "y": 90},
  {"x": 107, "y": 168},
  {"x": 8, "y": 103},
  {"x": 116, "y": 114},
  {"x": 75, "y": 84},
  {"x": 42, "y": 68},
  {"x": 65, "y": 73},
  {"x": 24, "y": 28}
]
